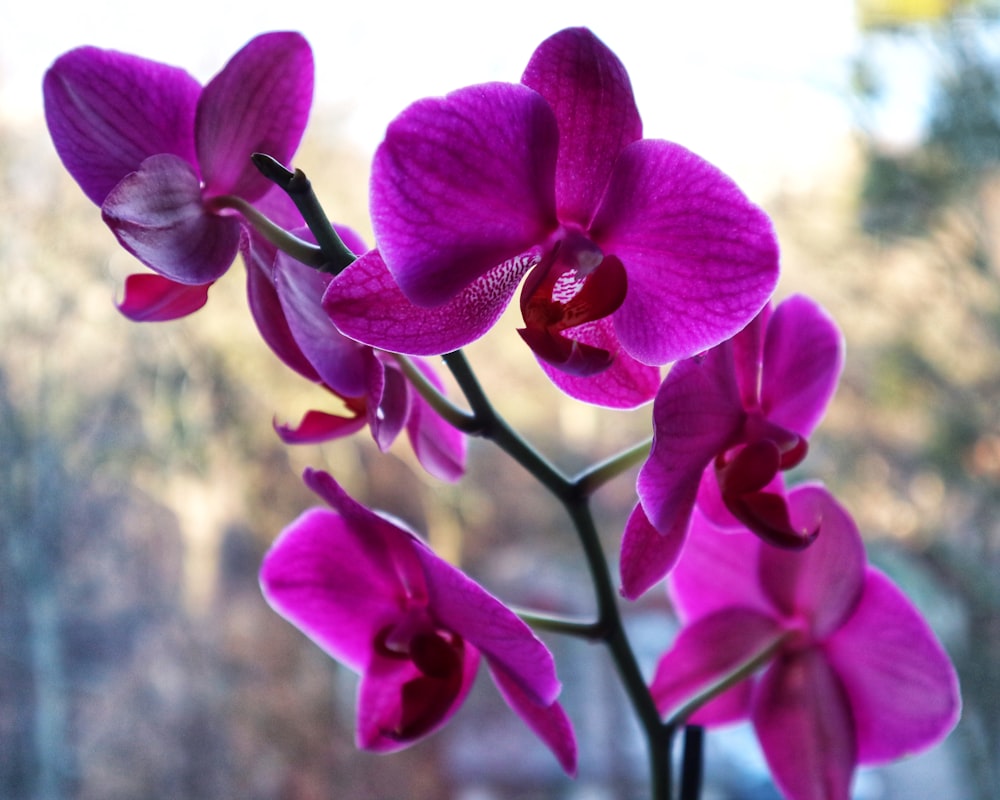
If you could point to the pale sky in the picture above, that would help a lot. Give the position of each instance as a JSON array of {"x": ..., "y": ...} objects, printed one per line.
[{"x": 757, "y": 87}]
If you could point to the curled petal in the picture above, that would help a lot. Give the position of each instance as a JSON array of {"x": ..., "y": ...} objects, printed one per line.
[
  {"x": 389, "y": 403},
  {"x": 587, "y": 87},
  {"x": 702, "y": 260},
  {"x": 153, "y": 298},
  {"x": 804, "y": 725},
  {"x": 461, "y": 184},
  {"x": 902, "y": 686},
  {"x": 319, "y": 426},
  {"x": 647, "y": 555},
  {"x": 366, "y": 304},
  {"x": 107, "y": 112},
  {"x": 258, "y": 103},
  {"x": 158, "y": 215},
  {"x": 549, "y": 722}
]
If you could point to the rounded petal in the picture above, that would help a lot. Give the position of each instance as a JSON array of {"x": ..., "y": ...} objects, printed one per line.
[
  {"x": 902, "y": 686},
  {"x": 803, "y": 359},
  {"x": 803, "y": 722},
  {"x": 461, "y": 184},
  {"x": 707, "y": 654},
  {"x": 588, "y": 88},
  {"x": 627, "y": 383},
  {"x": 258, "y": 103},
  {"x": 548, "y": 722},
  {"x": 366, "y": 304},
  {"x": 822, "y": 583},
  {"x": 696, "y": 415},
  {"x": 702, "y": 260},
  {"x": 320, "y": 576},
  {"x": 153, "y": 298},
  {"x": 460, "y": 605},
  {"x": 107, "y": 112},
  {"x": 158, "y": 215},
  {"x": 647, "y": 555}
]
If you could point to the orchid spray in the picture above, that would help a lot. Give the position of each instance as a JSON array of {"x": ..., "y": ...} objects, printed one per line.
[{"x": 630, "y": 254}]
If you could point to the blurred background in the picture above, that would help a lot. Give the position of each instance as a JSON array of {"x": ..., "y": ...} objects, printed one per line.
[{"x": 141, "y": 481}]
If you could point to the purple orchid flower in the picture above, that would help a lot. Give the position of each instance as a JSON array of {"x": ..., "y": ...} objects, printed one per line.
[
  {"x": 725, "y": 425},
  {"x": 374, "y": 596},
  {"x": 853, "y": 673},
  {"x": 284, "y": 297},
  {"x": 167, "y": 160},
  {"x": 637, "y": 251}
]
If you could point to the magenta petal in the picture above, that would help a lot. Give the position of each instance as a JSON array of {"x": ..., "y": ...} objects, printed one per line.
[
  {"x": 716, "y": 570},
  {"x": 548, "y": 722},
  {"x": 647, "y": 555},
  {"x": 158, "y": 216},
  {"x": 265, "y": 307},
  {"x": 463, "y": 606},
  {"x": 342, "y": 363},
  {"x": 697, "y": 413},
  {"x": 153, "y": 298},
  {"x": 107, "y": 112},
  {"x": 702, "y": 260},
  {"x": 821, "y": 584},
  {"x": 319, "y": 426},
  {"x": 627, "y": 383},
  {"x": 461, "y": 184},
  {"x": 389, "y": 403},
  {"x": 258, "y": 103},
  {"x": 804, "y": 726},
  {"x": 709, "y": 651},
  {"x": 902, "y": 686},
  {"x": 439, "y": 448},
  {"x": 365, "y": 303},
  {"x": 320, "y": 576},
  {"x": 803, "y": 358},
  {"x": 381, "y": 728},
  {"x": 588, "y": 89}
]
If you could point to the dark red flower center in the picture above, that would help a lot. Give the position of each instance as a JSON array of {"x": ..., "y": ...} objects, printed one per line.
[{"x": 573, "y": 285}]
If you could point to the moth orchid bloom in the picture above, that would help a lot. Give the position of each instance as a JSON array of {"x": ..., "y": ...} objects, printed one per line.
[
  {"x": 168, "y": 161},
  {"x": 374, "y": 596},
  {"x": 843, "y": 669},
  {"x": 637, "y": 252},
  {"x": 285, "y": 299},
  {"x": 726, "y": 424}
]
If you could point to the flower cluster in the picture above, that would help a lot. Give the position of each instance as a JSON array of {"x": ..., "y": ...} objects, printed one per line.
[{"x": 630, "y": 253}]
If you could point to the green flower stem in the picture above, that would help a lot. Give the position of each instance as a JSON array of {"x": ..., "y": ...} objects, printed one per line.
[
  {"x": 753, "y": 663},
  {"x": 594, "y": 477},
  {"x": 337, "y": 257},
  {"x": 574, "y": 495},
  {"x": 558, "y": 624},
  {"x": 452, "y": 414},
  {"x": 299, "y": 249}
]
